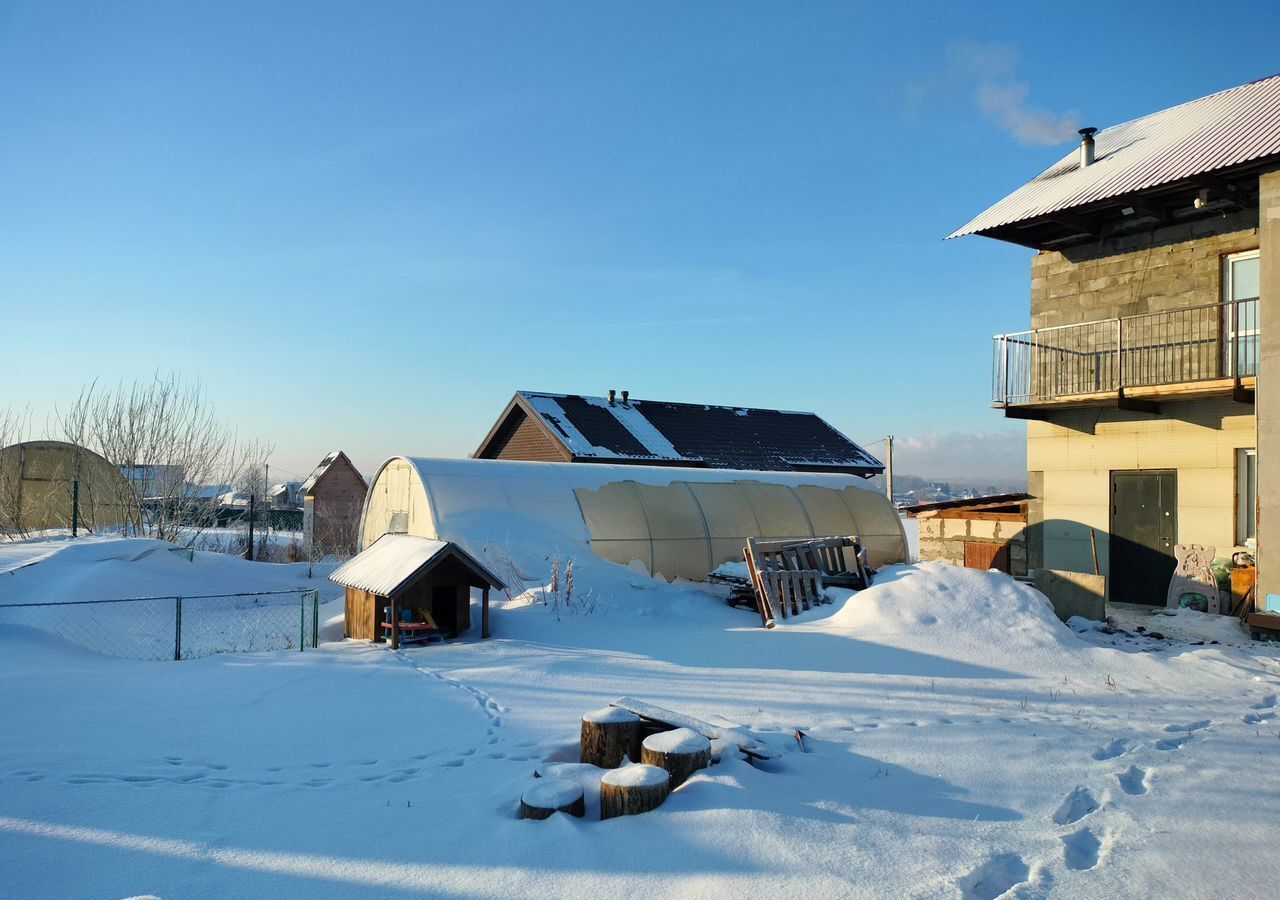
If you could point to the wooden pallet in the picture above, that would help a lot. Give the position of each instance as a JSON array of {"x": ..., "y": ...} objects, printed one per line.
[{"x": 789, "y": 576}]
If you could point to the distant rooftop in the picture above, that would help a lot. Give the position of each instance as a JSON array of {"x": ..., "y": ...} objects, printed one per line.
[{"x": 596, "y": 429}]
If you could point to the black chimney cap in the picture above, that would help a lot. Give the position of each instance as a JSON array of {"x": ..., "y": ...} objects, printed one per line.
[{"x": 1088, "y": 133}]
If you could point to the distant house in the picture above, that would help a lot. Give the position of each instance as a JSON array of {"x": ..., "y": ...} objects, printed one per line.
[
  {"x": 332, "y": 501},
  {"x": 619, "y": 430},
  {"x": 287, "y": 495},
  {"x": 153, "y": 480}
]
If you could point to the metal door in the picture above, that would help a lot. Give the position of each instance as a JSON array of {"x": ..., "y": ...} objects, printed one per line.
[{"x": 1144, "y": 528}]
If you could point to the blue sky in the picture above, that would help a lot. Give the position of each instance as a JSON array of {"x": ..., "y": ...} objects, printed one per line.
[{"x": 365, "y": 225}]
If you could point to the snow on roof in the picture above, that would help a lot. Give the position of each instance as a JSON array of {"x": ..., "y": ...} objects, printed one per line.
[
  {"x": 394, "y": 560},
  {"x": 318, "y": 472},
  {"x": 592, "y": 428},
  {"x": 1225, "y": 129}
]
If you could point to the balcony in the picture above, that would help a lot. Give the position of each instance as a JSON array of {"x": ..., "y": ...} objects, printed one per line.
[{"x": 1131, "y": 363}]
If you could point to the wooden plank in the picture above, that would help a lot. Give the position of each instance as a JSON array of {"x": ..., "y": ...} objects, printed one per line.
[
  {"x": 740, "y": 737},
  {"x": 757, "y": 582}
]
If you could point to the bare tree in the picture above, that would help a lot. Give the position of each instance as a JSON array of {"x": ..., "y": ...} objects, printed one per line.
[
  {"x": 12, "y": 428},
  {"x": 166, "y": 438}
]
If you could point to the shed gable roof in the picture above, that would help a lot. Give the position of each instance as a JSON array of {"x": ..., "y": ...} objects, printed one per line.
[
  {"x": 394, "y": 562},
  {"x": 326, "y": 464},
  {"x": 687, "y": 434},
  {"x": 1231, "y": 128}
]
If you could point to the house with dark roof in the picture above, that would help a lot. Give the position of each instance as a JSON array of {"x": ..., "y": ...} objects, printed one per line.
[
  {"x": 1157, "y": 254},
  {"x": 618, "y": 429}
]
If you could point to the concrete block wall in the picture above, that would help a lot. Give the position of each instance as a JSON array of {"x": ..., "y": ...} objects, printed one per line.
[
  {"x": 1072, "y": 458},
  {"x": 1269, "y": 377},
  {"x": 1166, "y": 268},
  {"x": 944, "y": 539}
]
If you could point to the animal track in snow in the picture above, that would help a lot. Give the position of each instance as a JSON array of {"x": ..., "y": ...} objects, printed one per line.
[
  {"x": 1267, "y": 703},
  {"x": 1080, "y": 850},
  {"x": 995, "y": 877},
  {"x": 1174, "y": 743},
  {"x": 1077, "y": 804},
  {"x": 1117, "y": 747},
  {"x": 1258, "y": 718},
  {"x": 1189, "y": 727},
  {"x": 1133, "y": 781}
]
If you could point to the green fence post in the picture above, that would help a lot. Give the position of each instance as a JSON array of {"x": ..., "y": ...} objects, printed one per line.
[
  {"x": 315, "y": 619},
  {"x": 302, "y": 622},
  {"x": 177, "y": 629}
]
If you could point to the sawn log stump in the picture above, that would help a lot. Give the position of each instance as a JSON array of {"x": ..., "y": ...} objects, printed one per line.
[
  {"x": 680, "y": 753},
  {"x": 552, "y": 795},
  {"x": 608, "y": 735},
  {"x": 632, "y": 790}
]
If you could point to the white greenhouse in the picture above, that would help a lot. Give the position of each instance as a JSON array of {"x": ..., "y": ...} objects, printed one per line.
[{"x": 673, "y": 522}]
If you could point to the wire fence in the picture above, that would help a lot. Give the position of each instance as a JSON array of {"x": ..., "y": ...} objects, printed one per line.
[{"x": 173, "y": 627}]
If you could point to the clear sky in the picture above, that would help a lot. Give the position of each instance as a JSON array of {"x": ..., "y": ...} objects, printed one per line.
[{"x": 366, "y": 225}]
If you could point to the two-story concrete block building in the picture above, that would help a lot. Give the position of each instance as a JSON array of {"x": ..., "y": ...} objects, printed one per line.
[{"x": 1142, "y": 377}]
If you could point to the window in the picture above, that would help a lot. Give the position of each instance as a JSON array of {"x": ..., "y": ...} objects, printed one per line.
[
  {"x": 1246, "y": 495},
  {"x": 1241, "y": 279}
]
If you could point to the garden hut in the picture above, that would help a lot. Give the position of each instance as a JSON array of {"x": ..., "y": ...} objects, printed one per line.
[{"x": 404, "y": 588}]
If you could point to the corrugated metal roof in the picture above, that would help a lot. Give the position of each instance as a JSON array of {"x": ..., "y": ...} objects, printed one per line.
[
  {"x": 1232, "y": 127},
  {"x": 393, "y": 560}
]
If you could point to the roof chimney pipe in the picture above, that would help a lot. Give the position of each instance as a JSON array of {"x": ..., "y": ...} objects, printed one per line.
[
  {"x": 1086, "y": 146},
  {"x": 625, "y": 396},
  {"x": 612, "y": 394}
]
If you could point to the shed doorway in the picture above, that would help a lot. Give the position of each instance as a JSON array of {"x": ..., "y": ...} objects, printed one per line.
[{"x": 1144, "y": 528}]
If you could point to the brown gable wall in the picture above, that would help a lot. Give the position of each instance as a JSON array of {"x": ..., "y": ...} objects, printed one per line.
[
  {"x": 521, "y": 438},
  {"x": 340, "y": 491}
]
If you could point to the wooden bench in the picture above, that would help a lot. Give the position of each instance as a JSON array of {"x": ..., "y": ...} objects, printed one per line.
[{"x": 412, "y": 631}]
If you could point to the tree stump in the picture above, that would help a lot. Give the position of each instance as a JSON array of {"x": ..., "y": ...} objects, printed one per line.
[
  {"x": 632, "y": 790},
  {"x": 552, "y": 795},
  {"x": 680, "y": 753},
  {"x": 608, "y": 735}
]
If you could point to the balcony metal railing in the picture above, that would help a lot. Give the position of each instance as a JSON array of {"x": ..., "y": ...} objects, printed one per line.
[{"x": 1198, "y": 343}]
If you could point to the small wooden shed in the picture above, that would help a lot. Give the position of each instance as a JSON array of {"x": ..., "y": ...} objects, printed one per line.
[
  {"x": 401, "y": 581},
  {"x": 978, "y": 533},
  {"x": 332, "y": 501}
]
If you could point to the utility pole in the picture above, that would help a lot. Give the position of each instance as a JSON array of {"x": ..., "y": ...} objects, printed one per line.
[
  {"x": 249, "y": 556},
  {"x": 266, "y": 497},
  {"x": 888, "y": 468}
]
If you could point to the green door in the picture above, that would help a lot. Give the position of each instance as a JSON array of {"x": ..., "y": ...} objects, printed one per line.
[{"x": 1144, "y": 528}]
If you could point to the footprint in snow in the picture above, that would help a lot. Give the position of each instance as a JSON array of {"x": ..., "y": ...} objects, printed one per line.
[
  {"x": 995, "y": 877},
  {"x": 1168, "y": 745},
  {"x": 1080, "y": 850},
  {"x": 1267, "y": 703},
  {"x": 1258, "y": 718},
  {"x": 1189, "y": 727},
  {"x": 1117, "y": 747},
  {"x": 1133, "y": 781},
  {"x": 1077, "y": 804}
]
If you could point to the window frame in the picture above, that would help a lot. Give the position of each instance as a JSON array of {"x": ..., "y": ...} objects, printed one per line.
[{"x": 1246, "y": 518}]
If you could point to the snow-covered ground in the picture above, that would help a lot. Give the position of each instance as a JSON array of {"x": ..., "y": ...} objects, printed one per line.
[{"x": 960, "y": 742}]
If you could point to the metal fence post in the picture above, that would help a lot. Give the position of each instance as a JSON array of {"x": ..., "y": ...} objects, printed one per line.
[
  {"x": 177, "y": 628},
  {"x": 302, "y": 622},
  {"x": 315, "y": 619}
]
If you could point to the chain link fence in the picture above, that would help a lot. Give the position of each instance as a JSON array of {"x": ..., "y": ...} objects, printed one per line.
[{"x": 175, "y": 627}]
